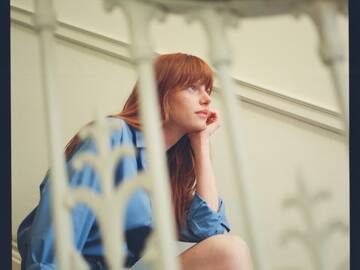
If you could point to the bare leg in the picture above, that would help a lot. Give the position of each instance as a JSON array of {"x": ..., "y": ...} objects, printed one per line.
[{"x": 219, "y": 252}]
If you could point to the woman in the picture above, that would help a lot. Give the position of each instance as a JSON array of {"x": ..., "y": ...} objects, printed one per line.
[{"x": 184, "y": 83}]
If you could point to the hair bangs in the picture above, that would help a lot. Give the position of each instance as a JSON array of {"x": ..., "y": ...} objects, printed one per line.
[{"x": 194, "y": 71}]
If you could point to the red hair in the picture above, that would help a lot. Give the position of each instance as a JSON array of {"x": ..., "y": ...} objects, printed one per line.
[{"x": 172, "y": 72}]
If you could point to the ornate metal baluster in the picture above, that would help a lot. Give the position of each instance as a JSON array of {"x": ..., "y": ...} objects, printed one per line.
[
  {"x": 110, "y": 205},
  {"x": 45, "y": 21},
  {"x": 312, "y": 238},
  {"x": 323, "y": 13},
  {"x": 215, "y": 20},
  {"x": 139, "y": 15}
]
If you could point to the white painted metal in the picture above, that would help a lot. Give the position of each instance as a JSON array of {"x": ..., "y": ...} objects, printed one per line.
[
  {"x": 324, "y": 16},
  {"x": 215, "y": 22},
  {"x": 45, "y": 22},
  {"x": 139, "y": 16},
  {"x": 110, "y": 205},
  {"x": 313, "y": 238}
]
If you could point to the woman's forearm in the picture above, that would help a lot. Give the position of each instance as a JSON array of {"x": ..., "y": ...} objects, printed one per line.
[{"x": 205, "y": 178}]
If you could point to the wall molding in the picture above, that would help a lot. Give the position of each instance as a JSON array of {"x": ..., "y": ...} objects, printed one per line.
[{"x": 272, "y": 100}]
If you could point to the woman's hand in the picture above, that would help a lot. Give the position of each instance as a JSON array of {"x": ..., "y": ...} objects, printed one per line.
[{"x": 212, "y": 124}]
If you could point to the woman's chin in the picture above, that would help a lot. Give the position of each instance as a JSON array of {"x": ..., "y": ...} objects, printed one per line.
[
  {"x": 200, "y": 127},
  {"x": 196, "y": 127}
]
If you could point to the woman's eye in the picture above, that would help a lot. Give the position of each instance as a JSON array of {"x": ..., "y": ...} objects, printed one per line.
[{"x": 192, "y": 88}]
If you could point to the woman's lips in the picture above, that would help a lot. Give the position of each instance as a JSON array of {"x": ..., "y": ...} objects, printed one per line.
[{"x": 202, "y": 114}]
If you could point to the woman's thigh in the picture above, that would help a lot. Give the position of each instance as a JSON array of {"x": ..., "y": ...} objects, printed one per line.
[{"x": 223, "y": 251}]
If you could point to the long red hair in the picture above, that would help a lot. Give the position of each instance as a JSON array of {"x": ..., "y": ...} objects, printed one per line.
[{"x": 172, "y": 72}]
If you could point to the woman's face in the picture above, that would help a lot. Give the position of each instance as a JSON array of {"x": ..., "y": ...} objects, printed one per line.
[{"x": 189, "y": 108}]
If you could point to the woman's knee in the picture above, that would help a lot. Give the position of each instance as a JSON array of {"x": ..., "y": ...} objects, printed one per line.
[
  {"x": 233, "y": 251},
  {"x": 223, "y": 251},
  {"x": 238, "y": 243}
]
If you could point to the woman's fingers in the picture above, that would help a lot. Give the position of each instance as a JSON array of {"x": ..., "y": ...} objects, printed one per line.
[
  {"x": 213, "y": 122},
  {"x": 212, "y": 117}
]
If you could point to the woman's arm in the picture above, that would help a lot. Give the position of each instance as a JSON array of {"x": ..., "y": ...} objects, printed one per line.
[
  {"x": 206, "y": 214},
  {"x": 204, "y": 174},
  {"x": 205, "y": 178}
]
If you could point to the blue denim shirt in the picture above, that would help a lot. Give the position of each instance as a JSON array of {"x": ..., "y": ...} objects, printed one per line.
[{"x": 35, "y": 235}]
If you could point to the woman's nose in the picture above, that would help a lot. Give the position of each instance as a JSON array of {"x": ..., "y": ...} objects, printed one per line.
[{"x": 205, "y": 98}]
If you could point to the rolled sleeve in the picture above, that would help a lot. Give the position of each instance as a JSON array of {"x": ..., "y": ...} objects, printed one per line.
[{"x": 203, "y": 222}]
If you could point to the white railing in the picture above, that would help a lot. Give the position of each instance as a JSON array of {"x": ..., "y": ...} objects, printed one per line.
[{"x": 214, "y": 16}]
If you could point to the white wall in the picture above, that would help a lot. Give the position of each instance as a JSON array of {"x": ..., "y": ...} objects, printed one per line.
[{"x": 278, "y": 54}]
